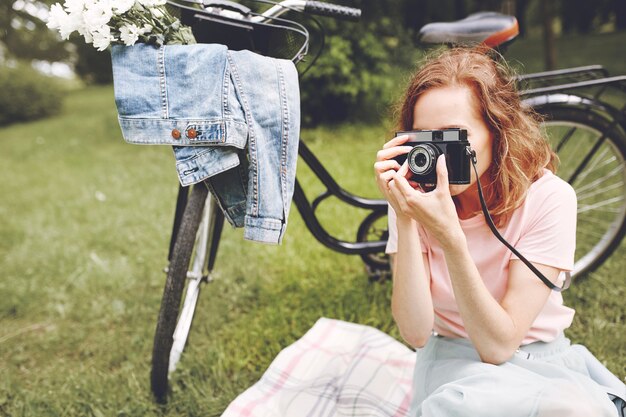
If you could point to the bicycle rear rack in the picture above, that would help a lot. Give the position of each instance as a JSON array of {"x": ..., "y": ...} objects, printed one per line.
[
  {"x": 587, "y": 93},
  {"x": 574, "y": 74},
  {"x": 617, "y": 81}
]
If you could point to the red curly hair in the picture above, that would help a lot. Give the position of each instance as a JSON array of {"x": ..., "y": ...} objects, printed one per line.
[{"x": 520, "y": 150}]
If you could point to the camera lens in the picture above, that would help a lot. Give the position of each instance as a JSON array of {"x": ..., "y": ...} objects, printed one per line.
[
  {"x": 420, "y": 160},
  {"x": 423, "y": 158}
]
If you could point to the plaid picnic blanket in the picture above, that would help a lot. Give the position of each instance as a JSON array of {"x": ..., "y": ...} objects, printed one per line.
[{"x": 336, "y": 369}]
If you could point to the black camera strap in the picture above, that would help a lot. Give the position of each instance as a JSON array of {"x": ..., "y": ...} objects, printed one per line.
[{"x": 497, "y": 234}]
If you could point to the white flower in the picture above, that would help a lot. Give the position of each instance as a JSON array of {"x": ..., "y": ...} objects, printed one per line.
[
  {"x": 97, "y": 15},
  {"x": 157, "y": 12},
  {"x": 59, "y": 19},
  {"x": 86, "y": 33},
  {"x": 129, "y": 34},
  {"x": 122, "y": 6},
  {"x": 57, "y": 16},
  {"x": 102, "y": 38},
  {"x": 74, "y": 7},
  {"x": 152, "y": 3},
  {"x": 100, "y": 21}
]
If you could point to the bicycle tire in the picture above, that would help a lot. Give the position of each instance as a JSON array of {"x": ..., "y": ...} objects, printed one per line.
[
  {"x": 374, "y": 228},
  {"x": 173, "y": 290},
  {"x": 200, "y": 272},
  {"x": 592, "y": 153}
]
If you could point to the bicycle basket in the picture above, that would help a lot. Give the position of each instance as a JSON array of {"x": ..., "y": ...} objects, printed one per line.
[{"x": 278, "y": 38}]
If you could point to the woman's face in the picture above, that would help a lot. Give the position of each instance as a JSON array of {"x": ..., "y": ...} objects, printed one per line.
[{"x": 455, "y": 107}]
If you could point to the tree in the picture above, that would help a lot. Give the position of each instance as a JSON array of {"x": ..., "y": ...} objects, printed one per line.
[
  {"x": 578, "y": 15},
  {"x": 619, "y": 8},
  {"x": 520, "y": 13},
  {"x": 549, "y": 49},
  {"x": 91, "y": 65},
  {"x": 353, "y": 77},
  {"x": 25, "y": 35}
]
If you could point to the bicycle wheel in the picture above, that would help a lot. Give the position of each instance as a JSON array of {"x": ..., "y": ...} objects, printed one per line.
[
  {"x": 375, "y": 228},
  {"x": 207, "y": 241},
  {"x": 197, "y": 237},
  {"x": 592, "y": 151}
]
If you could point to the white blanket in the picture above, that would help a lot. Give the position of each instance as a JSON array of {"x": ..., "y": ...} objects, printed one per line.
[{"x": 335, "y": 369}]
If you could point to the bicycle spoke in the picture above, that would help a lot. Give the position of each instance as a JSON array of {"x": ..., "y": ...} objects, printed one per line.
[
  {"x": 184, "y": 323},
  {"x": 599, "y": 184},
  {"x": 592, "y": 232},
  {"x": 564, "y": 140},
  {"x": 597, "y": 166},
  {"x": 592, "y": 157},
  {"x": 602, "y": 204},
  {"x": 582, "y": 171},
  {"x": 194, "y": 275},
  {"x": 597, "y": 191},
  {"x": 593, "y": 221}
]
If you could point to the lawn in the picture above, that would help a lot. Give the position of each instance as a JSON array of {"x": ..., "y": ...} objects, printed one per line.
[
  {"x": 86, "y": 222},
  {"x": 572, "y": 51}
]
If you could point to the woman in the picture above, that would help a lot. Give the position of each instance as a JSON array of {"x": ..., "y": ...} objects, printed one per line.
[{"x": 467, "y": 303}]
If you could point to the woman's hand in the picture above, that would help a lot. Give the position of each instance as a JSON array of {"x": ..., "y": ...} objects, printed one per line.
[
  {"x": 435, "y": 210},
  {"x": 411, "y": 300},
  {"x": 386, "y": 168}
]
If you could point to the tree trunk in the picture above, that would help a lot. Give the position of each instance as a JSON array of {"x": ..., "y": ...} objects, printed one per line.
[
  {"x": 549, "y": 49},
  {"x": 460, "y": 11},
  {"x": 619, "y": 6},
  {"x": 520, "y": 14},
  {"x": 6, "y": 15},
  {"x": 508, "y": 7}
]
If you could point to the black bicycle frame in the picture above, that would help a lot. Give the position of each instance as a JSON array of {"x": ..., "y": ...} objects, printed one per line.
[
  {"x": 307, "y": 209},
  {"x": 588, "y": 72}
]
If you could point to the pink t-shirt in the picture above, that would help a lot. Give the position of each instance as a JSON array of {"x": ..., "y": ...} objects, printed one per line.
[{"x": 543, "y": 229}]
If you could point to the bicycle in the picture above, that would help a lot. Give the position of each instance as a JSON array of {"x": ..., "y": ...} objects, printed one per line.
[{"x": 572, "y": 120}]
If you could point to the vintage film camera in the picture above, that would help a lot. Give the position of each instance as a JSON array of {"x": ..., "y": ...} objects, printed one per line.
[{"x": 428, "y": 145}]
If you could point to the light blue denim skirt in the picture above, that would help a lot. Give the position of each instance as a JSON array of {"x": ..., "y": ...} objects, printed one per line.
[{"x": 540, "y": 380}]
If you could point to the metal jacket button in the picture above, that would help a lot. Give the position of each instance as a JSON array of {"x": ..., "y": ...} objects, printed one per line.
[
  {"x": 176, "y": 134},
  {"x": 192, "y": 133}
]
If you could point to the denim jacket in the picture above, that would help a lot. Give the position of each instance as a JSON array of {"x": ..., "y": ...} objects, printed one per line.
[{"x": 232, "y": 117}]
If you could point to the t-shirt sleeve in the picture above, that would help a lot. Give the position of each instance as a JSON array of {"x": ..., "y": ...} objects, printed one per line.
[
  {"x": 549, "y": 235},
  {"x": 392, "y": 242}
]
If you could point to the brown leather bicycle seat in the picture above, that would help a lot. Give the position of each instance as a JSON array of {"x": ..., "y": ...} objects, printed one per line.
[{"x": 489, "y": 28}]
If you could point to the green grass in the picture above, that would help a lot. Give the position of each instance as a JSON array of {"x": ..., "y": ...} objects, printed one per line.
[
  {"x": 82, "y": 244},
  {"x": 86, "y": 222},
  {"x": 572, "y": 51}
]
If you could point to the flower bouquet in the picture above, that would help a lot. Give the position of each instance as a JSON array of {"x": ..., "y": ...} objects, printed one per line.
[{"x": 125, "y": 22}]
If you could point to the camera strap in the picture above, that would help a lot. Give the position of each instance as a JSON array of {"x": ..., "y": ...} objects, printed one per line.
[{"x": 494, "y": 230}]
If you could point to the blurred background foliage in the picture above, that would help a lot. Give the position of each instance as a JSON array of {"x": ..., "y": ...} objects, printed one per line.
[
  {"x": 27, "y": 94},
  {"x": 354, "y": 79}
]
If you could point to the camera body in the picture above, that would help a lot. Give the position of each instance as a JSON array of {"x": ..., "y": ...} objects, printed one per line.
[{"x": 428, "y": 145}]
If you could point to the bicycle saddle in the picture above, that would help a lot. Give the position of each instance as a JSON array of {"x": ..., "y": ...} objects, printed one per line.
[{"x": 489, "y": 28}]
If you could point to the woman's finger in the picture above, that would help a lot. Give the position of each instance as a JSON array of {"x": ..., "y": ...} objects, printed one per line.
[
  {"x": 386, "y": 176},
  {"x": 389, "y": 164},
  {"x": 383, "y": 181},
  {"x": 403, "y": 186},
  {"x": 404, "y": 170},
  {"x": 398, "y": 140},
  {"x": 406, "y": 173},
  {"x": 389, "y": 153},
  {"x": 442, "y": 173},
  {"x": 398, "y": 190}
]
